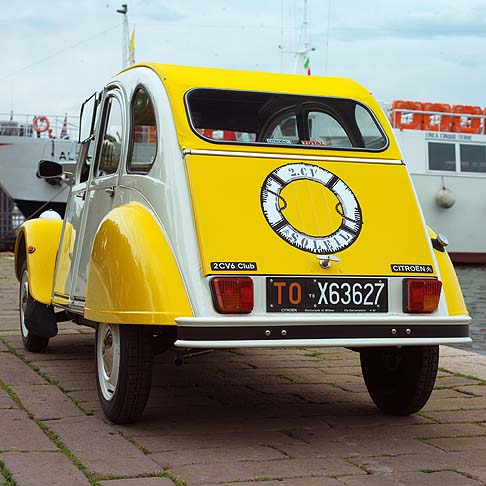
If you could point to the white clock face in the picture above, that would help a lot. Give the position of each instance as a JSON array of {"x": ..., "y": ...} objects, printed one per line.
[{"x": 347, "y": 207}]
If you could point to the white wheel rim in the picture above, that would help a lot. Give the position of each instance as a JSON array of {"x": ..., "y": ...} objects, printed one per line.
[
  {"x": 24, "y": 295},
  {"x": 108, "y": 358}
]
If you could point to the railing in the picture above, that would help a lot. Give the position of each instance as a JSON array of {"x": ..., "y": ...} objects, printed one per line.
[{"x": 48, "y": 126}]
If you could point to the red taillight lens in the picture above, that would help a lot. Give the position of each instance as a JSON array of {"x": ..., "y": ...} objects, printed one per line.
[
  {"x": 421, "y": 295},
  {"x": 232, "y": 295}
]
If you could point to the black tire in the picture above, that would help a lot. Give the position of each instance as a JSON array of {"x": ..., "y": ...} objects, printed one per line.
[
  {"x": 400, "y": 380},
  {"x": 33, "y": 343},
  {"x": 123, "y": 370}
]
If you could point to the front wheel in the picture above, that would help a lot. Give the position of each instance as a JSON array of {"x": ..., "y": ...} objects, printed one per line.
[
  {"x": 124, "y": 370},
  {"x": 31, "y": 342},
  {"x": 400, "y": 380}
]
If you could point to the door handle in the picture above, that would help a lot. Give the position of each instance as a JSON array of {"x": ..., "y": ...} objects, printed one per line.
[
  {"x": 110, "y": 191},
  {"x": 82, "y": 195}
]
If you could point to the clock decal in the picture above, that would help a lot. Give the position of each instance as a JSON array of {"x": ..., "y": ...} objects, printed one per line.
[{"x": 274, "y": 205}]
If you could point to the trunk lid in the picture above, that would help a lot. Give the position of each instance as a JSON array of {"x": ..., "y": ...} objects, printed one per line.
[{"x": 274, "y": 216}]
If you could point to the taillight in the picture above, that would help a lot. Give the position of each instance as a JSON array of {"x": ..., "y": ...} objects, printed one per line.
[
  {"x": 232, "y": 295},
  {"x": 421, "y": 295}
]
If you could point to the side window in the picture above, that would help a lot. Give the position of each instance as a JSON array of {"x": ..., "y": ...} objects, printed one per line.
[
  {"x": 144, "y": 133},
  {"x": 442, "y": 156},
  {"x": 111, "y": 144},
  {"x": 86, "y": 156},
  {"x": 473, "y": 158}
]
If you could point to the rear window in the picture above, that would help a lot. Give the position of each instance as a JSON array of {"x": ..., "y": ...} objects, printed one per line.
[{"x": 243, "y": 117}]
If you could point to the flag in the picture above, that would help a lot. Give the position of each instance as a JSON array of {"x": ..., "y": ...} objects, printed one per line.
[
  {"x": 307, "y": 65},
  {"x": 131, "y": 55},
  {"x": 64, "y": 132}
]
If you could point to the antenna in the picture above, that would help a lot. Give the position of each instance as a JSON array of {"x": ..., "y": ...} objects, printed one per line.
[{"x": 124, "y": 11}]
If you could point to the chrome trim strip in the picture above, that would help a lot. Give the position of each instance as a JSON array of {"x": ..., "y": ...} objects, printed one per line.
[
  {"x": 351, "y": 343},
  {"x": 264, "y": 155}
]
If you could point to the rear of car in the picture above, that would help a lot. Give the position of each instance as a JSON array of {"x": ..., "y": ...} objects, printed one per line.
[{"x": 309, "y": 230}]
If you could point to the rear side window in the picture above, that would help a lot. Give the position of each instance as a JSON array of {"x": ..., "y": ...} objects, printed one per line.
[
  {"x": 144, "y": 133},
  {"x": 246, "y": 117}
]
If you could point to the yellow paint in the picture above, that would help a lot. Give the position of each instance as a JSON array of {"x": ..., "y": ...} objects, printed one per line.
[
  {"x": 44, "y": 235},
  {"x": 450, "y": 285},
  {"x": 231, "y": 226},
  {"x": 133, "y": 277},
  {"x": 65, "y": 262},
  {"x": 178, "y": 80}
]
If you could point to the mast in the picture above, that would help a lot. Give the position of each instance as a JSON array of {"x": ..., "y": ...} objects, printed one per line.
[
  {"x": 124, "y": 10},
  {"x": 301, "y": 54}
]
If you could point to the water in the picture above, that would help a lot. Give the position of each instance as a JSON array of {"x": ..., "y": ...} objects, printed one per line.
[{"x": 473, "y": 283}]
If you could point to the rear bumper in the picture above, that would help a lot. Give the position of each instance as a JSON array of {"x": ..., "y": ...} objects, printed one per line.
[{"x": 306, "y": 331}]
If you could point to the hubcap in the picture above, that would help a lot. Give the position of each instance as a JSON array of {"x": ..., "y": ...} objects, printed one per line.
[
  {"x": 24, "y": 295},
  {"x": 108, "y": 358}
]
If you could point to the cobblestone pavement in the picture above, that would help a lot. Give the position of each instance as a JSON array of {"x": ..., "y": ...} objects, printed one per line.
[
  {"x": 473, "y": 283},
  {"x": 246, "y": 417}
]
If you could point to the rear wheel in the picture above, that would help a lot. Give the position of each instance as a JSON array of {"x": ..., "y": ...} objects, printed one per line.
[
  {"x": 31, "y": 342},
  {"x": 124, "y": 370},
  {"x": 400, "y": 380}
]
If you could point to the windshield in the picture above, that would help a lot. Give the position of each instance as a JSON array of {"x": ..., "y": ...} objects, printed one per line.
[{"x": 244, "y": 117}]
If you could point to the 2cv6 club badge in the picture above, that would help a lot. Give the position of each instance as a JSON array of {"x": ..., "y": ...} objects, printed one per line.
[{"x": 225, "y": 209}]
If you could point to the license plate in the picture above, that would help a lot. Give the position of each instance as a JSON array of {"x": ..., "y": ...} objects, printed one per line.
[{"x": 327, "y": 294}]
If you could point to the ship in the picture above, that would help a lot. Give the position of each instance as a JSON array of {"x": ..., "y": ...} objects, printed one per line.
[
  {"x": 444, "y": 147},
  {"x": 25, "y": 140}
]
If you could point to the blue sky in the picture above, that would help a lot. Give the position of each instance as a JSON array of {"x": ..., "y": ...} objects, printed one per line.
[{"x": 56, "y": 53}]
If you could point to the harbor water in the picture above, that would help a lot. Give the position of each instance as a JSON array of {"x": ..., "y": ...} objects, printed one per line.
[{"x": 473, "y": 283}]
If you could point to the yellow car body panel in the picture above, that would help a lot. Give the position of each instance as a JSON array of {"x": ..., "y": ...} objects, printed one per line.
[
  {"x": 133, "y": 279},
  {"x": 179, "y": 80},
  {"x": 232, "y": 227},
  {"x": 42, "y": 236},
  {"x": 450, "y": 284}
]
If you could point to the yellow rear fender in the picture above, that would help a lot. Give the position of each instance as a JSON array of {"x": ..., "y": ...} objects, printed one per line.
[
  {"x": 37, "y": 243},
  {"x": 133, "y": 277},
  {"x": 450, "y": 284}
]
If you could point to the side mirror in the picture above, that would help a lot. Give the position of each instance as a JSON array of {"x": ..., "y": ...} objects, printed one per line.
[{"x": 47, "y": 169}]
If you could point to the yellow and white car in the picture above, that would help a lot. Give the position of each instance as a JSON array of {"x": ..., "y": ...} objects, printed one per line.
[{"x": 222, "y": 209}]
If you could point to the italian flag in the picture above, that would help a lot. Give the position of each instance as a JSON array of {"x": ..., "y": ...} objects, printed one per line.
[{"x": 307, "y": 66}]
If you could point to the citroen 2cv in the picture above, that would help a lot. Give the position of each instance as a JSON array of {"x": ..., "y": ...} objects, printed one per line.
[{"x": 221, "y": 209}]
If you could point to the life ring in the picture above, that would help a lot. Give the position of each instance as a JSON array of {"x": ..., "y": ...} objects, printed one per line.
[{"x": 41, "y": 123}]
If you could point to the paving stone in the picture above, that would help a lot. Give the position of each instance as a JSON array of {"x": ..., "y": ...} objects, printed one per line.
[
  {"x": 467, "y": 403},
  {"x": 406, "y": 479},
  {"x": 217, "y": 455},
  {"x": 387, "y": 432},
  {"x": 478, "y": 390},
  {"x": 19, "y": 432},
  {"x": 93, "y": 442},
  {"x": 349, "y": 446},
  {"x": 421, "y": 462},
  {"x": 459, "y": 443},
  {"x": 308, "y": 481},
  {"x": 208, "y": 440},
  {"x": 14, "y": 372},
  {"x": 466, "y": 416},
  {"x": 46, "y": 401},
  {"x": 43, "y": 468},
  {"x": 6, "y": 401},
  {"x": 138, "y": 482},
  {"x": 455, "y": 381},
  {"x": 252, "y": 471},
  {"x": 478, "y": 473}
]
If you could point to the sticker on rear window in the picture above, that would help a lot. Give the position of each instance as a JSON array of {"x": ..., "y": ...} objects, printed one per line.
[{"x": 399, "y": 268}]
